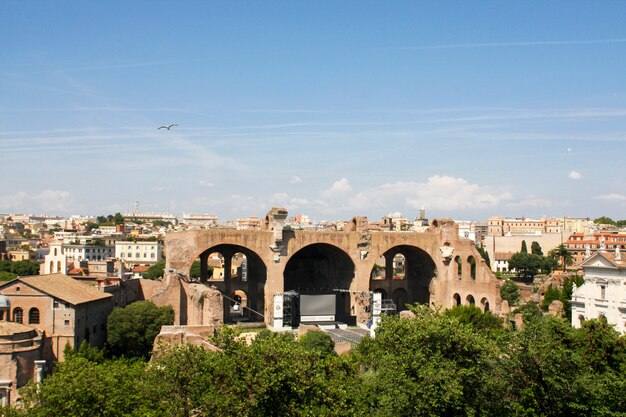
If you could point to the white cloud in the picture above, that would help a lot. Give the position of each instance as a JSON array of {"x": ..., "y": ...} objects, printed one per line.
[
  {"x": 295, "y": 180},
  {"x": 439, "y": 192},
  {"x": 338, "y": 188},
  {"x": 611, "y": 197},
  {"x": 205, "y": 184},
  {"x": 47, "y": 201},
  {"x": 575, "y": 175}
]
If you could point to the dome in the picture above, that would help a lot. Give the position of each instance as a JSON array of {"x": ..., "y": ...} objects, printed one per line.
[{"x": 4, "y": 301}]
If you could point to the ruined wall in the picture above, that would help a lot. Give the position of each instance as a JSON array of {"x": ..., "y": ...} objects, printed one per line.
[{"x": 440, "y": 243}]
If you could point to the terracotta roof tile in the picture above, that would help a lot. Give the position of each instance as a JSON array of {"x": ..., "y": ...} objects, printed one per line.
[{"x": 64, "y": 288}]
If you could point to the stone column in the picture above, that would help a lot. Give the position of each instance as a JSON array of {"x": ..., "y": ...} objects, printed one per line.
[
  {"x": 228, "y": 260},
  {"x": 204, "y": 270},
  {"x": 39, "y": 368},
  {"x": 389, "y": 266}
]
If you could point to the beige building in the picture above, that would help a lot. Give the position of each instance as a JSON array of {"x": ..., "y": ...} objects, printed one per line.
[
  {"x": 498, "y": 246},
  {"x": 21, "y": 353},
  {"x": 65, "y": 310},
  {"x": 501, "y": 226}
]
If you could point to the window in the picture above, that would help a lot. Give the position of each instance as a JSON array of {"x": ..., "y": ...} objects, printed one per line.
[
  {"x": 66, "y": 322},
  {"x": 17, "y": 289},
  {"x": 56, "y": 304},
  {"x": 122, "y": 255},
  {"x": 603, "y": 292},
  {"x": 18, "y": 315},
  {"x": 33, "y": 316}
]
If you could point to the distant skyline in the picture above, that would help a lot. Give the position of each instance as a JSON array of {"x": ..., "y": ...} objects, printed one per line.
[{"x": 329, "y": 109}]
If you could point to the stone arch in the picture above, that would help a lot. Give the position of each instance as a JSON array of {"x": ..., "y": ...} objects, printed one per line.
[
  {"x": 459, "y": 267},
  {"x": 456, "y": 300},
  {"x": 419, "y": 270},
  {"x": 321, "y": 268},
  {"x": 33, "y": 316},
  {"x": 485, "y": 304},
  {"x": 470, "y": 300},
  {"x": 253, "y": 286},
  {"x": 472, "y": 264},
  {"x": 378, "y": 270}
]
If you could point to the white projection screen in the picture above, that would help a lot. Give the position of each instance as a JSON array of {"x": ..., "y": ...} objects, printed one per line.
[{"x": 320, "y": 307}]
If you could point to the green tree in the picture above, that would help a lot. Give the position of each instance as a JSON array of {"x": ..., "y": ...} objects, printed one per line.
[
  {"x": 555, "y": 370},
  {"x": 155, "y": 271},
  {"x": 318, "y": 342},
  {"x": 25, "y": 268},
  {"x": 561, "y": 253},
  {"x": 605, "y": 220},
  {"x": 535, "y": 248},
  {"x": 529, "y": 311},
  {"x": 524, "y": 249},
  {"x": 526, "y": 264},
  {"x": 194, "y": 271},
  {"x": 481, "y": 322},
  {"x": 118, "y": 218},
  {"x": 7, "y": 276},
  {"x": 484, "y": 254},
  {"x": 274, "y": 376},
  {"x": 82, "y": 388},
  {"x": 131, "y": 330},
  {"x": 509, "y": 291},
  {"x": 431, "y": 365},
  {"x": 551, "y": 294},
  {"x": 5, "y": 265}
]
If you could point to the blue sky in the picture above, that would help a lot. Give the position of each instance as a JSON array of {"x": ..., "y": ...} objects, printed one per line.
[{"x": 331, "y": 109}]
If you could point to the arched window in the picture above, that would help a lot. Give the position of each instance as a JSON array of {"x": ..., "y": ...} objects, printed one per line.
[
  {"x": 59, "y": 266},
  {"x": 485, "y": 303},
  {"x": 459, "y": 267},
  {"x": 51, "y": 266},
  {"x": 470, "y": 300},
  {"x": 33, "y": 316},
  {"x": 18, "y": 315},
  {"x": 472, "y": 263},
  {"x": 55, "y": 251},
  {"x": 457, "y": 300}
]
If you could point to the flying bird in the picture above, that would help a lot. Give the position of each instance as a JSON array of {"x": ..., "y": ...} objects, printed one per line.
[{"x": 167, "y": 127}]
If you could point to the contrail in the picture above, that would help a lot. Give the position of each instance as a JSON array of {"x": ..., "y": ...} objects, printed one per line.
[{"x": 505, "y": 44}]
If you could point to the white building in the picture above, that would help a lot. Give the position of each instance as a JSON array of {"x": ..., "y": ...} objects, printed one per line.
[
  {"x": 82, "y": 252},
  {"x": 138, "y": 252},
  {"x": 604, "y": 292},
  {"x": 55, "y": 261},
  {"x": 200, "y": 220}
]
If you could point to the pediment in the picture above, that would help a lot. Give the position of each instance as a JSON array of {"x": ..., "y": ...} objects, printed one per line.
[{"x": 598, "y": 260}]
